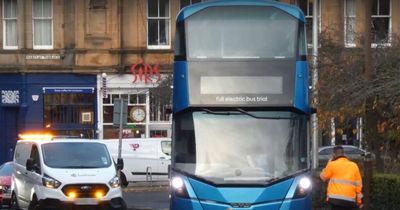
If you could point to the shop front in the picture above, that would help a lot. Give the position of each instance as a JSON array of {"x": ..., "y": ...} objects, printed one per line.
[
  {"x": 148, "y": 101},
  {"x": 61, "y": 104}
]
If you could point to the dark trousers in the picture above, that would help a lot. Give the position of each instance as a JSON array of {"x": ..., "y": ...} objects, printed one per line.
[{"x": 336, "y": 207}]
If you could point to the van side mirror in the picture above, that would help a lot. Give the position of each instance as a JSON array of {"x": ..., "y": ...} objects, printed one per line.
[
  {"x": 120, "y": 164},
  {"x": 30, "y": 164}
]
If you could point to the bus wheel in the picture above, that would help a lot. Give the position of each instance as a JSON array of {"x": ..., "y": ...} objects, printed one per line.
[{"x": 124, "y": 182}]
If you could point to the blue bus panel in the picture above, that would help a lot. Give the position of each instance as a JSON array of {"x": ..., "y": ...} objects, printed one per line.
[
  {"x": 231, "y": 84},
  {"x": 240, "y": 108}
]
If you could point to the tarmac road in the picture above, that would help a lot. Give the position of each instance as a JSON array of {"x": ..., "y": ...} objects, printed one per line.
[{"x": 145, "y": 196}]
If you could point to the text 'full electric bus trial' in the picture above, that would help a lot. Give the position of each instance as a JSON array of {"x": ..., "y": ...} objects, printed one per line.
[{"x": 240, "y": 108}]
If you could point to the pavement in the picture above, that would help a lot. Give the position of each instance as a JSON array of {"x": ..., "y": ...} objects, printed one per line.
[
  {"x": 147, "y": 186},
  {"x": 147, "y": 195}
]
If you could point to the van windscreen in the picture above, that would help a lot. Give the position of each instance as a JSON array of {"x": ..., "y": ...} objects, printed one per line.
[{"x": 76, "y": 155}]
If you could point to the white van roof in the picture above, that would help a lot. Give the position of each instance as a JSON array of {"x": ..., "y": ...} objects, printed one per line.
[{"x": 56, "y": 140}]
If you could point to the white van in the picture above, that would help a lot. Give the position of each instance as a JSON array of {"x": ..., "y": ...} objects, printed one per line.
[
  {"x": 63, "y": 173},
  {"x": 144, "y": 159}
]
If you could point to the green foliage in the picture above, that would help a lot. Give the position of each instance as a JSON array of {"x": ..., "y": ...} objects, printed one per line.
[{"x": 385, "y": 192}]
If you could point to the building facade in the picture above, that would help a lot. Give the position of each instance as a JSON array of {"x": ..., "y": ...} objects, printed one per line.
[{"x": 63, "y": 62}]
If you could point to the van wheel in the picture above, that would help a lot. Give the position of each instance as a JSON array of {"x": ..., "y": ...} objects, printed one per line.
[
  {"x": 14, "y": 202},
  {"x": 33, "y": 205},
  {"x": 124, "y": 182}
]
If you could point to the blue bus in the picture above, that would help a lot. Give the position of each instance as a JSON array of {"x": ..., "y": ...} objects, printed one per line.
[{"x": 240, "y": 108}]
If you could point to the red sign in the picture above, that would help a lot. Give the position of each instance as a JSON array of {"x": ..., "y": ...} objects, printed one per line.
[
  {"x": 145, "y": 72},
  {"x": 134, "y": 146}
]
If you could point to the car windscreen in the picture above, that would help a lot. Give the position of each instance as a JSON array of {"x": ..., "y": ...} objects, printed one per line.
[
  {"x": 6, "y": 170},
  {"x": 353, "y": 151},
  {"x": 76, "y": 155}
]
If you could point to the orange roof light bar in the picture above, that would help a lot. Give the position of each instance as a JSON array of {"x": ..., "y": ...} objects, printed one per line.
[{"x": 36, "y": 136}]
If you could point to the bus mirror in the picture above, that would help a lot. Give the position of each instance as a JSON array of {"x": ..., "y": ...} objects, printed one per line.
[{"x": 313, "y": 110}]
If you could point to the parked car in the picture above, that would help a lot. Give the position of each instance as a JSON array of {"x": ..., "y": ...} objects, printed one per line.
[
  {"x": 352, "y": 152},
  {"x": 5, "y": 183}
]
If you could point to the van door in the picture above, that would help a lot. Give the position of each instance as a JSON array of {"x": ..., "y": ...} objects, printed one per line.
[
  {"x": 165, "y": 156},
  {"x": 22, "y": 153},
  {"x": 33, "y": 177},
  {"x": 144, "y": 156}
]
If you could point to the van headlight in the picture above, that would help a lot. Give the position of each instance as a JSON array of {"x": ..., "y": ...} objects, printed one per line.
[
  {"x": 50, "y": 182},
  {"x": 114, "y": 182}
]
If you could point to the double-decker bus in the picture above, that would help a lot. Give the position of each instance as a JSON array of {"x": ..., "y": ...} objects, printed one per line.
[{"x": 240, "y": 108}]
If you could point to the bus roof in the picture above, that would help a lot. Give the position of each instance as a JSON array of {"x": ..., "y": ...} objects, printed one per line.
[{"x": 190, "y": 10}]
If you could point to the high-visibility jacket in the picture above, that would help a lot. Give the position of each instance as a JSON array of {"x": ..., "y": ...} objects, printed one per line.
[{"x": 345, "y": 183}]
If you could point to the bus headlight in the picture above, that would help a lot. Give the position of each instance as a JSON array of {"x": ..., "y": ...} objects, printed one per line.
[
  {"x": 303, "y": 188},
  {"x": 177, "y": 183},
  {"x": 178, "y": 186},
  {"x": 305, "y": 183}
]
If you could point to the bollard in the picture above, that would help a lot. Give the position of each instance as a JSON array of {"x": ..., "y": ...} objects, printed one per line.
[{"x": 149, "y": 175}]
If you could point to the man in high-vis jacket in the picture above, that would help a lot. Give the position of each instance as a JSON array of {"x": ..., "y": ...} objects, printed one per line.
[{"x": 344, "y": 182}]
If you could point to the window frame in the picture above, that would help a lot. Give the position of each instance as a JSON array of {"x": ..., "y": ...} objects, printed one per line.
[
  {"x": 158, "y": 18},
  {"x": 143, "y": 124},
  {"x": 308, "y": 16},
  {"x": 389, "y": 41},
  {"x": 346, "y": 42},
  {"x": 191, "y": 2},
  {"x": 5, "y": 19},
  {"x": 43, "y": 47}
]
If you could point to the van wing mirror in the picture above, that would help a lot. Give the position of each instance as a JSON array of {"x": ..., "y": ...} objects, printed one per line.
[
  {"x": 120, "y": 164},
  {"x": 30, "y": 164}
]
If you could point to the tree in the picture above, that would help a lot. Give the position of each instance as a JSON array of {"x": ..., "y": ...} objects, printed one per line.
[{"x": 344, "y": 90}]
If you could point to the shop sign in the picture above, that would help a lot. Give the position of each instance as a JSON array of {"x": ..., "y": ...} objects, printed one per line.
[
  {"x": 146, "y": 73},
  {"x": 55, "y": 90},
  {"x": 10, "y": 96},
  {"x": 43, "y": 57}
]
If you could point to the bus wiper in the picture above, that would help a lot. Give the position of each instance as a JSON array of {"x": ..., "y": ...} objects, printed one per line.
[
  {"x": 258, "y": 117},
  {"x": 218, "y": 113}
]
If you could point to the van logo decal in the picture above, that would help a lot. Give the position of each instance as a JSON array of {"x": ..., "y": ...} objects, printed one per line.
[
  {"x": 134, "y": 146},
  {"x": 86, "y": 188}
]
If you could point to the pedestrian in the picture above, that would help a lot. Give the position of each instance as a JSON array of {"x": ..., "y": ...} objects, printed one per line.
[{"x": 344, "y": 182}]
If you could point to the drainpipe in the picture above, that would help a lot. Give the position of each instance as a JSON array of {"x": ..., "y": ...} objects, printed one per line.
[{"x": 121, "y": 61}]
